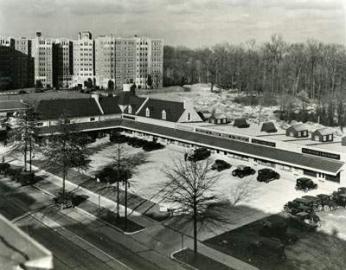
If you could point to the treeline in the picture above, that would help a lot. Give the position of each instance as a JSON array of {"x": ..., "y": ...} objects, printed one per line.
[{"x": 275, "y": 67}]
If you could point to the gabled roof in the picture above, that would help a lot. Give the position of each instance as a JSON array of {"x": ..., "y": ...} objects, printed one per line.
[
  {"x": 109, "y": 105},
  {"x": 57, "y": 108},
  {"x": 323, "y": 131},
  {"x": 174, "y": 109},
  {"x": 124, "y": 97},
  {"x": 268, "y": 126},
  {"x": 299, "y": 127},
  {"x": 218, "y": 116},
  {"x": 135, "y": 102}
]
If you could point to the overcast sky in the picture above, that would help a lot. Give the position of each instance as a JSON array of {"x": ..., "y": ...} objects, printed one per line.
[{"x": 192, "y": 23}]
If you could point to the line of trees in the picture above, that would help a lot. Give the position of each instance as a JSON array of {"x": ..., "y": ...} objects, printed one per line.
[{"x": 275, "y": 66}]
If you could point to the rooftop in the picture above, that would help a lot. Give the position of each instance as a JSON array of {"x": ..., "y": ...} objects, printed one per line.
[
  {"x": 16, "y": 248},
  {"x": 294, "y": 158},
  {"x": 56, "y": 108}
]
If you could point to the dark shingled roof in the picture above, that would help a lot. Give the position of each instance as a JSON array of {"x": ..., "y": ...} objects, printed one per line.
[
  {"x": 278, "y": 155},
  {"x": 124, "y": 97},
  {"x": 135, "y": 102},
  {"x": 57, "y": 108},
  {"x": 268, "y": 127},
  {"x": 240, "y": 122},
  {"x": 109, "y": 105},
  {"x": 173, "y": 109}
]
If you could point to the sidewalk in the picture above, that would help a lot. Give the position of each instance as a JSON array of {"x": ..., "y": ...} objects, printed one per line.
[{"x": 155, "y": 236}]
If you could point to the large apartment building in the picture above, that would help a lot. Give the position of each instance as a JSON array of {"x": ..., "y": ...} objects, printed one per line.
[
  {"x": 155, "y": 62},
  {"x": 62, "y": 63},
  {"x": 42, "y": 51},
  {"x": 107, "y": 62},
  {"x": 125, "y": 60},
  {"x": 83, "y": 59},
  {"x": 115, "y": 61},
  {"x": 16, "y": 63}
]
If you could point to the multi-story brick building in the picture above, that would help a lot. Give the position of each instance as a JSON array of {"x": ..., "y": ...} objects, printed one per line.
[
  {"x": 83, "y": 60},
  {"x": 125, "y": 60},
  {"x": 62, "y": 63},
  {"x": 42, "y": 51},
  {"x": 16, "y": 63},
  {"x": 115, "y": 61},
  {"x": 155, "y": 62},
  {"x": 107, "y": 61},
  {"x": 24, "y": 63}
]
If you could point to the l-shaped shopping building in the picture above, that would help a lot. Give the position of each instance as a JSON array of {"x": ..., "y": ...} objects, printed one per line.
[{"x": 179, "y": 123}]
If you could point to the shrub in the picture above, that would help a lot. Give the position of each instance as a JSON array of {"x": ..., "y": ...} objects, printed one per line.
[{"x": 4, "y": 168}]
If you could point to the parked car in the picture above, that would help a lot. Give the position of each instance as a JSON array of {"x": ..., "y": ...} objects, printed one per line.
[
  {"x": 220, "y": 165},
  {"x": 267, "y": 247},
  {"x": 242, "y": 171},
  {"x": 199, "y": 154},
  {"x": 327, "y": 202},
  {"x": 21, "y": 92},
  {"x": 267, "y": 175},
  {"x": 151, "y": 146},
  {"x": 305, "y": 184},
  {"x": 135, "y": 142},
  {"x": 298, "y": 205},
  {"x": 339, "y": 197}
]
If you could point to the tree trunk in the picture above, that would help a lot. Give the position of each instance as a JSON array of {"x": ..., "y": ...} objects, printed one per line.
[
  {"x": 30, "y": 155},
  {"x": 63, "y": 182},
  {"x": 118, "y": 200},
  {"x": 125, "y": 205},
  {"x": 25, "y": 152},
  {"x": 194, "y": 225}
]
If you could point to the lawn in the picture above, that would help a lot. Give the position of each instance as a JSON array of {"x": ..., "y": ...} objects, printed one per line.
[{"x": 313, "y": 250}]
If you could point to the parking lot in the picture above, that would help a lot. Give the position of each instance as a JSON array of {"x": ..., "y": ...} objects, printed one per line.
[{"x": 261, "y": 199}]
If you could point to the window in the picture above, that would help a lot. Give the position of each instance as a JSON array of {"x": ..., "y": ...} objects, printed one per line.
[
  {"x": 147, "y": 112},
  {"x": 92, "y": 118},
  {"x": 163, "y": 114},
  {"x": 188, "y": 117},
  {"x": 130, "y": 109}
]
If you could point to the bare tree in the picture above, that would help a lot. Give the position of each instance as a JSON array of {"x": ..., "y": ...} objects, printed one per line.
[
  {"x": 23, "y": 134},
  {"x": 191, "y": 186},
  {"x": 64, "y": 151},
  {"x": 241, "y": 192}
]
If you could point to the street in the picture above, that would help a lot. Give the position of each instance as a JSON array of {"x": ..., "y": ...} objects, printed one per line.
[{"x": 75, "y": 244}]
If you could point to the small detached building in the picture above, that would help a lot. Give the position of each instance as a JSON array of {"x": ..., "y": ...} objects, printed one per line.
[
  {"x": 343, "y": 141},
  {"x": 323, "y": 135},
  {"x": 240, "y": 123},
  {"x": 297, "y": 131},
  {"x": 205, "y": 115},
  {"x": 218, "y": 119},
  {"x": 269, "y": 127}
]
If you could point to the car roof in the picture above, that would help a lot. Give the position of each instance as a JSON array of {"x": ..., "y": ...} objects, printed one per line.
[
  {"x": 301, "y": 200},
  {"x": 309, "y": 197},
  {"x": 304, "y": 179}
]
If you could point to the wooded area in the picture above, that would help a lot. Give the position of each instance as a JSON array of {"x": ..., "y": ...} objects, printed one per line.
[{"x": 276, "y": 66}]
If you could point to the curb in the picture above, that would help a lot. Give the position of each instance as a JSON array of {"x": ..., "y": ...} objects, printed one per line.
[
  {"x": 181, "y": 262},
  {"x": 92, "y": 215}
]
